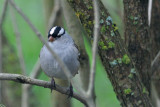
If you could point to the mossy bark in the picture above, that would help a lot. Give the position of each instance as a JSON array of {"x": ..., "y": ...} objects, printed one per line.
[
  {"x": 155, "y": 28},
  {"x": 155, "y": 36},
  {"x": 123, "y": 75},
  {"x": 137, "y": 37}
]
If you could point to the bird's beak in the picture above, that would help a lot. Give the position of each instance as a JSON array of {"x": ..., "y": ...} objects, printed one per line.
[{"x": 51, "y": 39}]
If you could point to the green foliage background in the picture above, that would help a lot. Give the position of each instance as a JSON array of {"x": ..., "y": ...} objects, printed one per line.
[{"x": 31, "y": 45}]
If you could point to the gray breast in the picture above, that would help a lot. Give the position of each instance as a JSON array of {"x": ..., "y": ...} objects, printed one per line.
[{"x": 68, "y": 54}]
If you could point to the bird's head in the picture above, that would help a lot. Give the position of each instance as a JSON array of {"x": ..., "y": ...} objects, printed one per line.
[{"x": 55, "y": 33}]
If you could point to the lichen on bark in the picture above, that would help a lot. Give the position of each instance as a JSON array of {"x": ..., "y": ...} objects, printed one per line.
[
  {"x": 117, "y": 71},
  {"x": 137, "y": 37}
]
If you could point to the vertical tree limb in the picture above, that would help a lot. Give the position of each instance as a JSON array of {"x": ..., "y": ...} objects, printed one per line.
[
  {"x": 155, "y": 29},
  {"x": 149, "y": 11},
  {"x": 18, "y": 42},
  {"x": 137, "y": 37},
  {"x": 155, "y": 37},
  {"x": 91, "y": 88},
  {"x": 25, "y": 91},
  {"x": 113, "y": 54},
  {"x": 1, "y": 22}
]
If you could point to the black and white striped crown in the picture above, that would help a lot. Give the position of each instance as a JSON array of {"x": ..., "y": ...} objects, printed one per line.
[{"x": 56, "y": 32}]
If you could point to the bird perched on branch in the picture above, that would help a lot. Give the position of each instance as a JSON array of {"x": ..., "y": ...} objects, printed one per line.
[{"x": 63, "y": 45}]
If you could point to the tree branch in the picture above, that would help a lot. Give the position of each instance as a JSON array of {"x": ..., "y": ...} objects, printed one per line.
[
  {"x": 137, "y": 37},
  {"x": 94, "y": 51},
  {"x": 90, "y": 91},
  {"x": 149, "y": 12},
  {"x": 155, "y": 51},
  {"x": 25, "y": 91},
  {"x": 3, "y": 12},
  {"x": 18, "y": 41},
  {"x": 155, "y": 64},
  {"x": 27, "y": 80}
]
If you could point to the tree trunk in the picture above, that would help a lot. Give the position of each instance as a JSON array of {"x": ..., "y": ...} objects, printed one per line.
[
  {"x": 155, "y": 37},
  {"x": 155, "y": 28},
  {"x": 115, "y": 58},
  {"x": 137, "y": 37}
]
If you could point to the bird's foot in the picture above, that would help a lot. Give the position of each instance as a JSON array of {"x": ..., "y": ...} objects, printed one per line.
[
  {"x": 70, "y": 95},
  {"x": 53, "y": 85}
]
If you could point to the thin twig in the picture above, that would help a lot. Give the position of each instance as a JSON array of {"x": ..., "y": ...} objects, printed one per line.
[
  {"x": 94, "y": 51},
  {"x": 18, "y": 41},
  {"x": 55, "y": 12},
  {"x": 36, "y": 70},
  {"x": 94, "y": 48},
  {"x": 1, "y": 22},
  {"x": 155, "y": 63},
  {"x": 34, "y": 73},
  {"x": 25, "y": 91},
  {"x": 63, "y": 66},
  {"x": 3, "y": 12},
  {"x": 26, "y": 87},
  {"x": 149, "y": 12},
  {"x": 27, "y": 80}
]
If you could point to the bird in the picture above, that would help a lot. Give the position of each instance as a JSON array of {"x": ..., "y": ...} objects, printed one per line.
[{"x": 63, "y": 45}]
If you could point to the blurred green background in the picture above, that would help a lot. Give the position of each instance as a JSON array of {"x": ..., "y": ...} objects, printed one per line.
[{"x": 31, "y": 46}]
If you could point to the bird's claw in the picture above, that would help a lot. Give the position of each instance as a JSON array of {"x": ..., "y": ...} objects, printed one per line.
[
  {"x": 70, "y": 95},
  {"x": 53, "y": 85}
]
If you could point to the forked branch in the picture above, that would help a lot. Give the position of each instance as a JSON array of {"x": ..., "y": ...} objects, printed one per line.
[{"x": 27, "y": 80}]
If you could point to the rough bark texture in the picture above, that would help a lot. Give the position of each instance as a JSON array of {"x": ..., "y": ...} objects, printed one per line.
[
  {"x": 155, "y": 28},
  {"x": 120, "y": 68},
  {"x": 155, "y": 36},
  {"x": 137, "y": 37}
]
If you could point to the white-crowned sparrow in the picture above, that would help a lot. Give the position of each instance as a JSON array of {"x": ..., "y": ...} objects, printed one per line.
[{"x": 64, "y": 46}]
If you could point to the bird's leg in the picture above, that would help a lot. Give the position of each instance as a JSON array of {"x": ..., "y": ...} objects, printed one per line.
[
  {"x": 70, "y": 91},
  {"x": 53, "y": 85}
]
